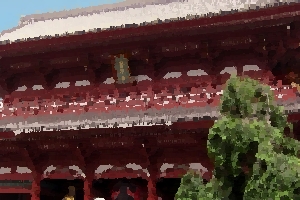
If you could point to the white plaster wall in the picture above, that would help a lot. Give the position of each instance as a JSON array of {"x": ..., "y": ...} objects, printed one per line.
[
  {"x": 5, "y": 170},
  {"x": 20, "y": 170},
  {"x": 197, "y": 72},
  {"x": 251, "y": 68}
]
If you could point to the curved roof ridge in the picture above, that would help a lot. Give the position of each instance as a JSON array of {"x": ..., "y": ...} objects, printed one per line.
[
  {"x": 197, "y": 8},
  {"x": 77, "y": 12}
]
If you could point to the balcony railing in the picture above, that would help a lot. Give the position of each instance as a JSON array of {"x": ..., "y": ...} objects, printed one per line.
[{"x": 164, "y": 101}]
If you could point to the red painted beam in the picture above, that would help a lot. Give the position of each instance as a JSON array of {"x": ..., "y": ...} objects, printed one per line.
[
  {"x": 14, "y": 190},
  {"x": 7, "y": 135},
  {"x": 95, "y": 134},
  {"x": 193, "y": 125},
  {"x": 294, "y": 117},
  {"x": 97, "y": 108},
  {"x": 16, "y": 176}
]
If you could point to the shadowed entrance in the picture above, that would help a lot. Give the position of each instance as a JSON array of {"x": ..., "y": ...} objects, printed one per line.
[
  {"x": 57, "y": 188},
  {"x": 15, "y": 196},
  {"x": 167, "y": 188},
  {"x": 110, "y": 188}
]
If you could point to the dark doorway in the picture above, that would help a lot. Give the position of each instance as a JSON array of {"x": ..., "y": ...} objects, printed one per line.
[
  {"x": 57, "y": 188},
  {"x": 166, "y": 188},
  {"x": 15, "y": 196},
  {"x": 104, "y": 188}
]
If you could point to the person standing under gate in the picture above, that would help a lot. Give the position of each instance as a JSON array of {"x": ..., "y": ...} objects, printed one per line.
[
  {"x": 71, "y": 194},
  {"x": 123, "y": 195}
]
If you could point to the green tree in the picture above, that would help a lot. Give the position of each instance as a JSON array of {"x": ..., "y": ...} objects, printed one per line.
[
  {"x": 191, "y": 183},
  {"x": 250, "y": 135}
]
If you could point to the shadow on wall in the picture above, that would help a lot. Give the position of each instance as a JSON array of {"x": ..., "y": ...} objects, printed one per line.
[
  {"x": 57, "y": 188},
  {"x": 167, "y": 188},
  {"x": 110, "y": 188},
  {"x": 15, "y": 196}
]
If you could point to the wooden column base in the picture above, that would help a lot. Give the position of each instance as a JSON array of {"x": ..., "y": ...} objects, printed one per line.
[
  {"x": 36, "y": 188},
  {"x": 152, "y": 190},
  {"x": 87, "y": 189}
]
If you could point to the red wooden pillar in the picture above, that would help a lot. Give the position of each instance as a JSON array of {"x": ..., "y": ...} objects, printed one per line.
[
  {"x": 153, "y": 171},
  {"x": 87, "y": 189},
  {"x": 239, "y": 69},
  {"x": 36, "y": 188},
  {"x": 152, "y": 190},
  {"x": 88, "y": 181}
]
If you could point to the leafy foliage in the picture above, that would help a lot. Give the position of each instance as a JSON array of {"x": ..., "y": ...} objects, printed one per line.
[
  {"x": 249, "y": 135},
  {"x": 191, "y": 184},
  {"x": 192, "y": 187}
]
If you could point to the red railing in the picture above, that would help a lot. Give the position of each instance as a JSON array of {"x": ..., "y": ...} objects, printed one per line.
[{"x": 87, "y": 102}]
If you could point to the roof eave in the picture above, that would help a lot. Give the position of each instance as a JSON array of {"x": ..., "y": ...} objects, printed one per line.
[{"x": 74, "y": 41}]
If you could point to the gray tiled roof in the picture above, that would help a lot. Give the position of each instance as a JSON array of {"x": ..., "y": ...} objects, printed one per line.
[{"x": 125, "y": 13}]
